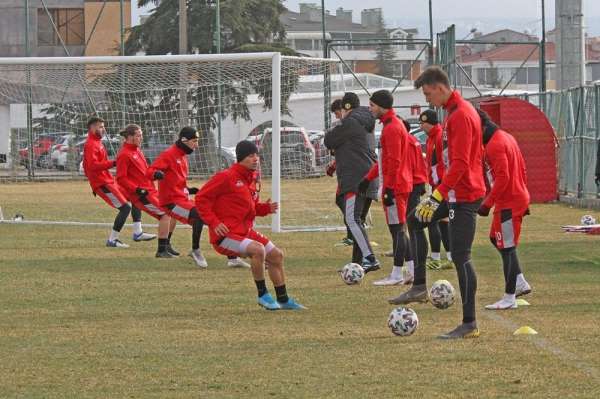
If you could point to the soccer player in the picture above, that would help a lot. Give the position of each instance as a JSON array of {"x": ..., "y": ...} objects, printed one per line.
[
  {"x": 131, "y": 176},
  {"x": 96, "y": 166},
  {"x": 434, "y": 160},
  {"x": 394, "y": 166},
  {"x": 458, "y": 196},
  {"x": 171, "y": 171},
  {"x": 509, "y": 197},
  {"x": 354, "y": 154},
  {"x": 229, "y": 203}
]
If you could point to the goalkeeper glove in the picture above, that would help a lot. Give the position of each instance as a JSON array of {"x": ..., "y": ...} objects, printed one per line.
[
  {"x": 428, "y": 206},
  {"x": 388, "y": 197},
  {"x": 483, "y": 210},
  {"x": 192, "y": 190},
  {"x": 363, "y": 186},
  {"x": 159, "y": 175},
  {"x": 141, "y": 192}
]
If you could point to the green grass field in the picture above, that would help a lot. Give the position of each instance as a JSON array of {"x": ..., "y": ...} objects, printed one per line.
[{"x": 80, "y": 320}]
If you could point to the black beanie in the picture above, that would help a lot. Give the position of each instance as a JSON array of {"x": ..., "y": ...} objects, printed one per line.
[
  {"x": 383, "y": 98},
  {"x": 428, "y": 116},
  {"x": 188, "y": 133},
  {"x": 350, "y": 101},
  {"x": 245, "y": 148}
]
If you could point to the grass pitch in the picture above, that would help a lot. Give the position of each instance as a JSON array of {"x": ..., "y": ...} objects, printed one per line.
[{"x": 80, "y": 320}]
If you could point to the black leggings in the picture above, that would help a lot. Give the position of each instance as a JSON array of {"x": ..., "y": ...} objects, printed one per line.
[
  {"x": 413, "y": 200},
  {"x": 463, "y": 221},
  {"x": 121, "y": 218},
  {"x": 438, "y": 234},
  {"x": 136, "y": 214},
  {"x": 197, "y": 225}
]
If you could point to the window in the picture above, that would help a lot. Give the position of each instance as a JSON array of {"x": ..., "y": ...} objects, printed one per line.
[
  {"x": 69, "y": 23},
  {"x": 304, "y": 44}
]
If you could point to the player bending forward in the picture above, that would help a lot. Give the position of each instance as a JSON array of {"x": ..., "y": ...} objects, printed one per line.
[
  {"x": 229, "y": 203},
  {"x": 510, "y": 199}
]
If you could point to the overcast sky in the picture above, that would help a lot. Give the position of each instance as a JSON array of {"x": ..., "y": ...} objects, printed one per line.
[{"x": 486, "y": 15}]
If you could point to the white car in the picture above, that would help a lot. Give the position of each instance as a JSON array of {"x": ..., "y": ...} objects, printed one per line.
[{"x": 59, "y": 151}]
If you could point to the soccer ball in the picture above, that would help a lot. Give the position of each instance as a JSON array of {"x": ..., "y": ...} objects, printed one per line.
[
  {"x": 352, "y": 273},
  {"x": 403, "y": 321},
  {"x": 442, "y": 294},
  {"x": 588, "y": 220}
]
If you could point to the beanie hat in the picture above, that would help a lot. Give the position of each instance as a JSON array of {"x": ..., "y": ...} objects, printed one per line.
[
  {"x": 245, "y": 148},
  {"x": 188, "y": 133},
  {"x": 428, "y": 116},
  {"x": 350, "y": 101},
  {"x": 383, "y": 98}
]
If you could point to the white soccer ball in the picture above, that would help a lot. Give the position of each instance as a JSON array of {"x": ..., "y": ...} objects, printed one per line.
[
  {"x": 352, "y": 273},
  {"x": 403, "y": 321},
  {"x": 588, "y": 220},
  {"x": 442, "y": 294}
]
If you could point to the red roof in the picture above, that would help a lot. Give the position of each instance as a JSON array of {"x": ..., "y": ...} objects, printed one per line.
[{"x": 519, "y": 52}]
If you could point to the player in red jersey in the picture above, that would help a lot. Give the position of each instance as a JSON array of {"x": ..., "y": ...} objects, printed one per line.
[{"x": 509, "y": 197}]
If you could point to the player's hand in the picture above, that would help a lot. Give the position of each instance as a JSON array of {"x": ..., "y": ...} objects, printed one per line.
[
  {"x": 159, "y": 175},
  {"x": 363, "y": 186},
  {"x": 428, "y": 206},
  {"x": 141, "y": 192},
  {"x": 483, "y": 210},
  {"x": 273, "y": 205},
  {"x": 330, "y": 170},
  {"x": 192, "y": 190},
  {"x": 388, "y": 197},
  {"x": 221, "y": 229}
]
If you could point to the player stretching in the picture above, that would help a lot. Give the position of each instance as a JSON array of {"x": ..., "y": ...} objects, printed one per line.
[
  {"x": 229, "y": 203},
  {"x": 394, "y": 166},
  {"x": 458, "y": 196},
  {"x": 510, "y": 199},
  {"x": 131, "y": 176},
  {"x": 434, "y": 160},
  {"x": 354, "y": 156},
  {"x": 171, "y": 171},
  {"x": 96, "y": 167}
]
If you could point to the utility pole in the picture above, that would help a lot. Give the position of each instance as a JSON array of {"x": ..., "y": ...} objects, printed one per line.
[
  {"x": 431, "y": 60},
  {"x": 218, "y": 48},
  {"x": 183, "y": 45},
  {"x": 543, "y": 53},
  {"x": 323, "y": 28},
  {"x": 31, "y": 159},
  {"x": 122, "y": 28}
]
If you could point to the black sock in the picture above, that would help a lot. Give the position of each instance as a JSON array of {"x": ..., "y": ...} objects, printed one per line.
[
  {"x": 232, "y": 257},
  {"x": 196, "y": 233},
  {"x": 169, "y": 238},
  {"x": 261, "y": 286},
  {"x": 281, "y": 293},
  {"x": 162, "y": 244}
]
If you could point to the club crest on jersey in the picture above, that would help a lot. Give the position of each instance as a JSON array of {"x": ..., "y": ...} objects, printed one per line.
[
  {"x": 179, "y": 161},
  {"x": 239, "y": 183},
  {"x": 135, "y": 156}
]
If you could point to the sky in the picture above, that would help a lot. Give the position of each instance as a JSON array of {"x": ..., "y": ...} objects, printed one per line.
[{"x": 485, "y": 15}]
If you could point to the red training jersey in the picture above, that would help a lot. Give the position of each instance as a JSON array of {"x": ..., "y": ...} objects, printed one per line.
[
  {"x": 434, "y": 157},
  {"x": 131, "y": 170},
  {"x": 174, "y": 164},
  {"x": 419, "y": 169},
  {"x": 506, "y": 174},
  {"x": 462, "y": 136},
  {"x": 393, "y": 155},
  {"x": 231, "y": 197},
  {"x": 96, "y": 163}
]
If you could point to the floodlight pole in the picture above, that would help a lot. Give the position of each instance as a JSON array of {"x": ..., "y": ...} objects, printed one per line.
[
  {"x": 543, "y": 52},
  {"x": 218, "y": 45},
  {"x": 183, "y": 45},
  {"x": 30, "y": 170},
  {"x": 430, "y": 33},
  {"x": 122, "y": 29},
  {"x": 323, "y": 27}
]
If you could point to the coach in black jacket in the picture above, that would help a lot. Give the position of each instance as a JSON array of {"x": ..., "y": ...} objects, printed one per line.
[{"x": 354, "y": 144}]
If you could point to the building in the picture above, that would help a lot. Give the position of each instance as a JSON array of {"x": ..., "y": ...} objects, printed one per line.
[
  {"x": 74, "y": 21},
  {"x": 304, "y": 35}
]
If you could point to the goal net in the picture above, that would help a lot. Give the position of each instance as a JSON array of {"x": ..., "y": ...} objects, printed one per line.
[{"x": 275, "y": 101}]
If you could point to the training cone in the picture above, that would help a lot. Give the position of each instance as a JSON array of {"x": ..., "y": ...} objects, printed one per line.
[
  {"x": 525, "y": 330},
  {"x": 522, "y": 302}
]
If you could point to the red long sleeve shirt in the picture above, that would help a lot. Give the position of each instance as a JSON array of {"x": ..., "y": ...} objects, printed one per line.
[
  {"x": 394, "y": 155},
  {"x": 506, "y": 173},
  {"x": 131, "y": 170},
  {"x": 230, "y": 197},
  {"x": 435, "y": 156},
  {"x": 174, "y": 164},
  {"x": 463, "y": 179},
  {"x": 96, "y": 163},
  {"x": 419, "y": 169}
]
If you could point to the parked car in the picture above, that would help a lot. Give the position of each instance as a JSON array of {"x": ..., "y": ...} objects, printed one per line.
[
  {"x": 317, "y": 139},
  {"x": 297, "y": 152},
  {"x": 41, "y": 150},
  {"x": 63, "y": 151}
]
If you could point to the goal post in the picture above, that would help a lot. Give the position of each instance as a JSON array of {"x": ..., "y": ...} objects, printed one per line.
[{"x": 276, "y": 100}]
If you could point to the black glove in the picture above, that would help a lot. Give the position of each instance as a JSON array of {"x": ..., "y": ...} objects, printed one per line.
[
  {"x": 363, "y": 186},
  {"x": 159, "y": 175},
  {"x": 388, "y": 197},
  {"x": 483, "y": 211},
  {"x": 597, "y": 180},
  {"x": 192, "y": 190},
  {"x": 527, "y": 211},
  {"x": 141, "y": 192}
]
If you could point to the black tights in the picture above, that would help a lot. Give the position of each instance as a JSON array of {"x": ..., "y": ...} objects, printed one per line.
[{"x": 121, "y": 218}]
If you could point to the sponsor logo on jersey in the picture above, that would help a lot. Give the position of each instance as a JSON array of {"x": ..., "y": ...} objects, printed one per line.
[{"x": 239, "y": 183}]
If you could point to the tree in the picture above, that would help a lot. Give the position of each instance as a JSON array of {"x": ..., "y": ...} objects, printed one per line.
[{"x": 385, "y": 53}]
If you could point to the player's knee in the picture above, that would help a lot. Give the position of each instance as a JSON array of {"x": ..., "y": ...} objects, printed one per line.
[
  {"x": 256, "y": 250},
  {"x": 275, "y": 256},
  {"x": 125, "y": 207}
]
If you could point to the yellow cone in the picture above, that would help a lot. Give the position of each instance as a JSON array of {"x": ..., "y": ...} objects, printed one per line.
[
  {"x": 525, "y": 330},
  {"x": 522, "y": 302}
]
